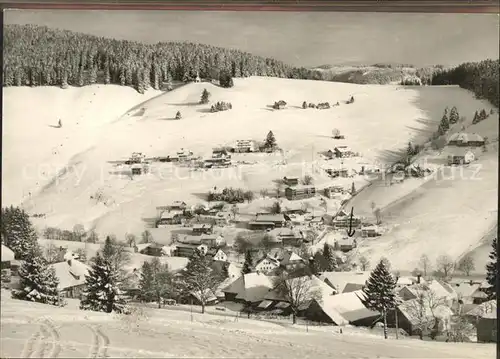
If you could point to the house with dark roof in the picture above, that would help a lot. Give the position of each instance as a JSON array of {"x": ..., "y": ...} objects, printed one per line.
[
  {"x": 487, "y": 328},
  {"x": 202, "y": 228},
  {"x": 267, "y": 221},
  {"x": 300, "y": 192}
]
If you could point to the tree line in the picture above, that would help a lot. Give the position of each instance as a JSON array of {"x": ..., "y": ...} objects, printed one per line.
[
  {"x": 40, "y": 56},
  {"x": 479, "y": 77}
]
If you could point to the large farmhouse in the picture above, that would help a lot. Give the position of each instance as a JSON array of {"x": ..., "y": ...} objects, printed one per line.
[{"x": 466, "y": 140}]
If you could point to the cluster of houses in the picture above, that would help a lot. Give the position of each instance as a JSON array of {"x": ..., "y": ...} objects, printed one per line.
[
  {"x": 460, "y": 147},
  {"x": 220, "y": 158}
]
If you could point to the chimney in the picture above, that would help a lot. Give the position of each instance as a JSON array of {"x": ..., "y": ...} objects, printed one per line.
[{"x": 418, "y": 278}]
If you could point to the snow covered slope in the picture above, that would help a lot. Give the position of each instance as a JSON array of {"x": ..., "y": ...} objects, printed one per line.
[{"x": 162, "y": 333}]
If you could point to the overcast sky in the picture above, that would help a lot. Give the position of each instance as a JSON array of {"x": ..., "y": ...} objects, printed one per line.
[{"x": 302, "y": 39}]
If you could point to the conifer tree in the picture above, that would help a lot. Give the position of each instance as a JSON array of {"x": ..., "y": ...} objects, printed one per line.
[
  {"x": 38, "y": 281},
  {"x": 178, "y": 115},
  {"x": 492, "y": 271},
  {"x": 353, "y": 189},
  {"x": 445, "y": 124},
  {"x": 102, "y": 291},
  {"x": 329, "y": 257},
  {"x": 205, "y": 95},
  {"x": 304, "y": 105},
  {"x": 18, "y": 232},
  {"x": 454, "y": 116},
  {"x": 476, "y": 118},
  {"x": 146, "y": 282},
  {"x": 379, "y": 292},
  {"x": 410, "y": 150},
  {"x": 270, "y": 140},
  {"x": 483, "y": 115},
  {"x": 248, "y": 264}
]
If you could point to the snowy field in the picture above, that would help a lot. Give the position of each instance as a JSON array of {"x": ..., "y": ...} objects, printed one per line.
[
  {"x": 70, "y": 167},
  {"x": 36, "y": 330}
]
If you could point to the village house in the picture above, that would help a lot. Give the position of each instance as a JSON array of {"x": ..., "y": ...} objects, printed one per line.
[
  {"x": 149, "y": 249},
  {"x": 212, "y": 240},
  {"x": 340, "y": 152},
  {"x": 267, "y": 221},
  {"x": 184, "y": 155},
  {"x": 287, "y": 236},
  {"x": 487, "y": 328},
  {"x": 170, "y": 218},
  {"x": 460, "y": 156},
  {"x": 330, "y": 191},
  {"x": 344, "y": 281},
  {"x": 195, "y": 298},
  {"x": 71, "y": 275},
  {"x": 199, "y": 229},
  {"x": 466, "y": 140},
  {"x": 336, "y": 171},
  {"x": 347, "y": 244},
  {"x": 249, "y": 288},
  {"x": 370, "y": 231},
  {"x": 217, "y": 162},
  {"x": 473, "y": 312},
  {"x": 217, "y": 255},
  {"x": 465, "y": 291},
  {"x": 412, "y": 315},
  {"x": 292, "y": 260},
  {"x": 139, "y": 169},
  {"x": 300, "y": 192},
  {"x": 244, "y": 146},
  {"x": 188, "y": 250},
  {"x": 440, "y": 290},
  {"x": 267, "y": 265},
  {"x": 219, "y": 152},
  {"x": 290, "y": 181},
  {"x": 343, "y": 220}
]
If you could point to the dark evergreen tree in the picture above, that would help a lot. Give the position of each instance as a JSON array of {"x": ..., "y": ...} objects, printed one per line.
[
  {"x": 492, "y": 271},
  {"x": 146, "y": 282},
  {"x": 270, "y": 141},
  {"x": 304, "y": 105},
  {"x": 483, "y": 115},
  {"x": 38, "y": 281},
  {"x": 379, "y": 292},
  {"x": 248, "y": 264},
  {"x": 102, "y": 291},
  {"x": 330, "y": 259},
  {"x": 476, "y": 118},
  {"x": 445, "y": 124},
  {"x": 225, "y": 79},
  {"x": 178, "y": 115},
  {"x": 410, "y": 150},
  {"x": 205, "y": 96},
  {"x": 454, "y": 116},
  {"x": 353, "y": 189},
  {"x": 18, "y": 232}
]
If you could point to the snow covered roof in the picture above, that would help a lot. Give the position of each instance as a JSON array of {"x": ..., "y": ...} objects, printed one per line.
[
  {"x": 341, "y": 279},
  {"x": 465, "y": 137},
  {"x": 251, "y": 287},
  {"x": 291, "y": 257},
  {"x": 440, "y": 290},
  {"x": 483, "y": 308},
  {"x": 465, "y": 289},
  {"x": 7, "y": 254},
  {"x": 209, "y": 294},
  {"x": 70, "y": 273}
]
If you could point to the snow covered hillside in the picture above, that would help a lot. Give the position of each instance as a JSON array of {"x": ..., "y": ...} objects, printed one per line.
[
  {"x": 34, "y": 150},
  {"x": 37, "y": 330},
  {"x": 99, "y": 195}
]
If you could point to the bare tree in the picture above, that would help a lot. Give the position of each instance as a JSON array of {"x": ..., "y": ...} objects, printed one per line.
[
  {"x": 460, "y": 330},
  {"x": 52, "y": 253},
  {"x": 425, "y": 264},
  {"x": 364, "y": 263},
  {"x": 424, "y": 310},
  {"x": 235, "y": 210},
  {"x": 308, "y": 180},
  {"x": 444, "y": 267},
  {"x": 147, "y": 237},
  {"x": 466, "y": 265},
  {"x": 131, "y": 239},
  {"x": 264, "y": 193},
  {"x": 297, "y": 291},
  {"x": 79, "y": 232},
  {"x": 378, "y": 215},
  {"x": 200, "y": 280}
]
